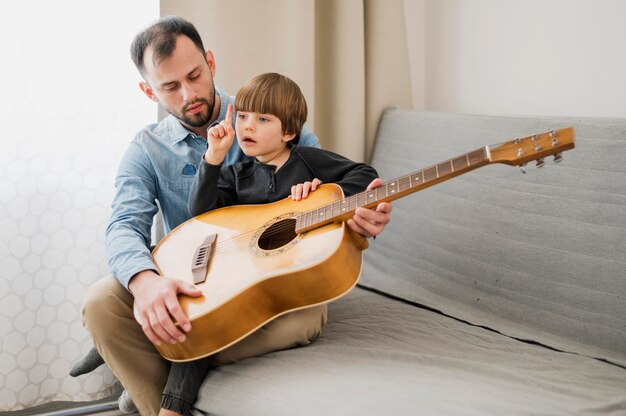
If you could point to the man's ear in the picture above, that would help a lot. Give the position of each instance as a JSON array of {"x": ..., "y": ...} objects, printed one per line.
[
  {"x": 143, "y": 85},
  {"x": 210, "y": 59}
]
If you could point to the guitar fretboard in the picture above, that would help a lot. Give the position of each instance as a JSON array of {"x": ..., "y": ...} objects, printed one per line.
[{"x": 344, "y": 208}]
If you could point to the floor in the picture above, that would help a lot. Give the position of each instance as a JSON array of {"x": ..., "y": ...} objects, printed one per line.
[{"x": 104, "y": 407}]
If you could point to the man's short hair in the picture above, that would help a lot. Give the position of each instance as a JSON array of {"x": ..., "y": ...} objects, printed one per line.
[
  {"x": 275, "y": 94},
  {"x": 161, "y": 36}
]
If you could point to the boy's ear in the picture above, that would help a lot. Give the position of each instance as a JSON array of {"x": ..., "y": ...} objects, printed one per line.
[
  {"x": 143, "y": 85},
  {"x": 287, "y": 137}
]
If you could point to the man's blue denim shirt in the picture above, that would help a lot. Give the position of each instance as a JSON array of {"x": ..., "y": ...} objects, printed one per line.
[{"x": 159, "y": 165}]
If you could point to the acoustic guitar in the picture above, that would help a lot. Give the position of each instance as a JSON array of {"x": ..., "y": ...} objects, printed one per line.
[{"x": 254, "y": 263}]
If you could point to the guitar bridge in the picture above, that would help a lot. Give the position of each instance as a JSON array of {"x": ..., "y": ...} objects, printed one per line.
[{"x": 201, "y": 259}]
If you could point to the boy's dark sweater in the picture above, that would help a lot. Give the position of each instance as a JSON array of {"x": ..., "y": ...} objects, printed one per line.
[{"x": 252, "y": 182}]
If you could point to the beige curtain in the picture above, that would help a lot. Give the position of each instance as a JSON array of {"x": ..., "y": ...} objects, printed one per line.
[{"x": 348, "y": 56}]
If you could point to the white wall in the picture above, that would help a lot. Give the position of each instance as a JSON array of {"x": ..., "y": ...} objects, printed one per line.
[{"x": 514, "y": 57}]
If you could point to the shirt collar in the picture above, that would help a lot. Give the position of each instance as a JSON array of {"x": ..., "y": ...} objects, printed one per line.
[{"x": 179, "y": 133}]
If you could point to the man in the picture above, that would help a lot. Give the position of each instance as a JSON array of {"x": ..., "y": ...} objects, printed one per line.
[{"x": 160, "y": 165}]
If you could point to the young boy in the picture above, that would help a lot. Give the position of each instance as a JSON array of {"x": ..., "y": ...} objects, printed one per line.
[{"x": 271, "y": 111}]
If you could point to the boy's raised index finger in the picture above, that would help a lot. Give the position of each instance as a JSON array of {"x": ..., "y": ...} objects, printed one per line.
[{"x": 229, "y": 114}]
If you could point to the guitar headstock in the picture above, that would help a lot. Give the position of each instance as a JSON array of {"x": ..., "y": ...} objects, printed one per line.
[{"x": 522, "y": 150}]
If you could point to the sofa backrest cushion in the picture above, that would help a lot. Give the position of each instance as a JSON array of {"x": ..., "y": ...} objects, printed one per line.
[{"x": 540, "y": 256}]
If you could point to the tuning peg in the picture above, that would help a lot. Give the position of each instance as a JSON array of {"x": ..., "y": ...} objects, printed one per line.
[
  {"x": 522, "y": 168},
  {"x": 540, "y": 163}
]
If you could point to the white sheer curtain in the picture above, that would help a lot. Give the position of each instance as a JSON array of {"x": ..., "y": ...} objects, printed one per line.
[{"x": 69, "y": 104}]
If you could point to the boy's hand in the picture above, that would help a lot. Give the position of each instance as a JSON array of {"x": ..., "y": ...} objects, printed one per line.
[
  {"x": 220, "y": 138},
  {"x": 301, "y": 190}
]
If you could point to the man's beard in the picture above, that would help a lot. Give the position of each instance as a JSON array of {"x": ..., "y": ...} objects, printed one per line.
[{"x": 200, "y": 119}]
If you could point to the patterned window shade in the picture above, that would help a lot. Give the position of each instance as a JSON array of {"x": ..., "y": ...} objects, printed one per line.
[{"x": 69, "y": 106}]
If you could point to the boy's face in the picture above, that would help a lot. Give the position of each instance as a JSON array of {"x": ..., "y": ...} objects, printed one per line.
[
  {"x": 183, "y": 84},
  {"x": 261, "y": 135}
]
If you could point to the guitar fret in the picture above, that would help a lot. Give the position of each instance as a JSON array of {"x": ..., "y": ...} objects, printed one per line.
[
  {"x": 371, "y": 196},
  {"x": 429, "y": 174},
  {"x": 351, "y": 203},
  {"x": 360, "y": 197},
  {"x": 476, "y": 156},
  {"x": 392, "y": 188},
  {"x": 404, "y": 183},
  {"x": 459, "y": 163},
  {"x": 444, "y": 168},
  {"x": 418, "y": 177}
]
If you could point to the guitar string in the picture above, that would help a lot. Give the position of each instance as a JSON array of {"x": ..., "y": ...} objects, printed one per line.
[
  {"x": 232, "y": 242},
  {"x": 280, "y": 227},
  {"x": 351, "y": 200},
  {"x": 228, "y": 244},
  {"x": 277, "y": 229}
]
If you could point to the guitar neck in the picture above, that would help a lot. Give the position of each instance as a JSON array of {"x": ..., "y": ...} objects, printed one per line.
[{"x": 343, "y": 209}]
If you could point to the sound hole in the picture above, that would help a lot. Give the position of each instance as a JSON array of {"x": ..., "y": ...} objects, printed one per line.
[{"x": 278, "y": 234}]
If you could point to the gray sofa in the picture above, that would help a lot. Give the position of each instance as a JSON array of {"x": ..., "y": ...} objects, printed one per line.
[{"x": 494, "y": 293}]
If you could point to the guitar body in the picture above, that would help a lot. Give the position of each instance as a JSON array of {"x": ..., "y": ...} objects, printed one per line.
[{"x": 259, "y": 269}]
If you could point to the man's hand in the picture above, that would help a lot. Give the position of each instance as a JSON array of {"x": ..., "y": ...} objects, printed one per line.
[
  {"x": 220, "y": 138},
  {"x": 371, "y": 222},
  {"x": 156, "y": 304}
]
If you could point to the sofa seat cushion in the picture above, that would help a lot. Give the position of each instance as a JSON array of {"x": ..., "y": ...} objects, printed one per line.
[{"x": 380, "y": 356}]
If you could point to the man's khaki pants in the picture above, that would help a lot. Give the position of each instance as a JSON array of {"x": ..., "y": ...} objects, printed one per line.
[{"x": 108, "y": 316}]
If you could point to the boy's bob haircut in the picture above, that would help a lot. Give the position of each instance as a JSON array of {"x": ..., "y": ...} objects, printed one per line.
[{"x": 275, "y": 94}]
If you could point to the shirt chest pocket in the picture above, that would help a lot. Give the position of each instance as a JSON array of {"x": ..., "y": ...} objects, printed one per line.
[{"x": 180, "y": 180}]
